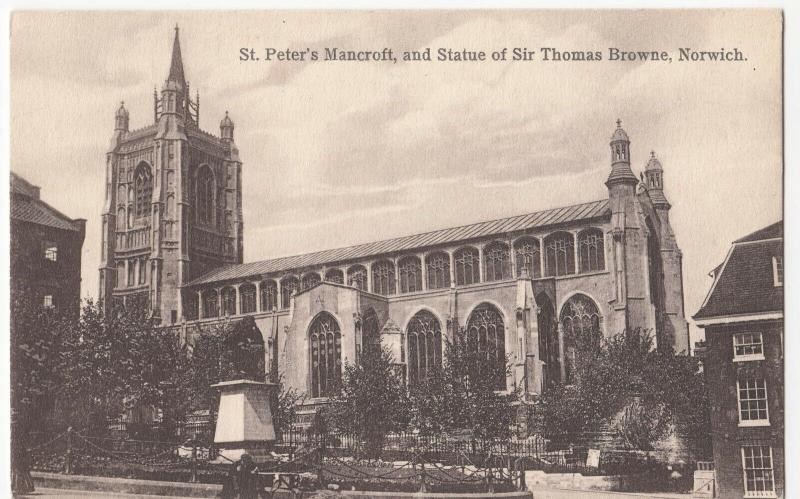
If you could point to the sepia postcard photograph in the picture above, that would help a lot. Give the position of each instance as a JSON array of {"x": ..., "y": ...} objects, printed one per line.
[{"x": 466, "y": 254}]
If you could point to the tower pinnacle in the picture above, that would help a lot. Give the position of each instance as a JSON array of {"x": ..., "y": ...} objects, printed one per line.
[{"x": 176, "y": 64}]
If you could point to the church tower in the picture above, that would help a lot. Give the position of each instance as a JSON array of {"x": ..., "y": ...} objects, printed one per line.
[{"x": 172, "y": 208}]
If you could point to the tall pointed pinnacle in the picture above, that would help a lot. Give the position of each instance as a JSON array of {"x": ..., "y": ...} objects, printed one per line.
[{"x": 176, "y": 65}]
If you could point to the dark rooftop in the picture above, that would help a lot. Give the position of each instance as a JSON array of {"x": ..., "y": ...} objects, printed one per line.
[{"x": 27, "y": 207}]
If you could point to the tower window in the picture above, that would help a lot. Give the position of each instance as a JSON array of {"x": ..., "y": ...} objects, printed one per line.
[
  {"x": 205, "y": 195},
  {"x": 143, "y": 182}
]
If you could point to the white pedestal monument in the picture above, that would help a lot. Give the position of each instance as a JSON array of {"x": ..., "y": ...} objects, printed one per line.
[{"x": 244, "y": 419}]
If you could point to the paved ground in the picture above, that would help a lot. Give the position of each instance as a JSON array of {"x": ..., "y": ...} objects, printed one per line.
[{"x": 538, "y": 493}]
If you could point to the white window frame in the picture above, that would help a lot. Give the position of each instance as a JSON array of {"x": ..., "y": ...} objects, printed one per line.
[
  {"x": 777, "y": 277},
  {"x": 752, "y": 422},
  {"x": 50, "y": 251},
  {"x": 758, "y": 493},
  {"x": 748, "y": 356},
  {"x": 47, "y": 301}
]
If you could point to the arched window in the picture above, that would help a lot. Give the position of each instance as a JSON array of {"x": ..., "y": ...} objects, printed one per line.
[
  {"x": 248, "y": 295},
  {"x": 210, "y": 304},
  {"x": 498, "y": 262},
  {"x": 325, "y": 339},
  {"x": 143, "y": 182},
  {"x": 228, "y": 301},
  {"x": 581, "y": 322},
  {"x": 121, "y": 274},
  {"x": 467, "y": 262},
  {"x": 357, "y": 277},
  {"x": 204, "y": 198},
  {"x": 383, "y": 282},
  {"x": 143, "y": 271},
  {"x": 190, "y": 305},
  {"x": 288, "y": 286},
  {"x": 438, "y": 267},
  {"x": 528, "y": 255},
  {"x": 121, "y": 222},
  {"x": 370, "y": 332},
  {"x": 548, "y": 341},
  {"x": 410, "y": 270},
  {"x": 269, "y": 295},
  {"x": 334, "y": 275},
  {"x": 310, "y": 280},
  {"x": 486, "y": 332},
  {"x": 132, "y": 264},
  {"x": 424, "y": 335},
  {"x": 591, "y": 250},
  {"x": 559, "y": 254}
]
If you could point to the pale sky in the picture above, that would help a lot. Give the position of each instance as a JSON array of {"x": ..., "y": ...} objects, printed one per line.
[{"x": 339, "y": 153}]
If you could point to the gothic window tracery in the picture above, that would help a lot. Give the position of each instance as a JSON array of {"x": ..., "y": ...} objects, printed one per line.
[
  {"x": 438, "y": 268},
  {"x": 410, "y": 270},
  {"x": 591, "y": 250},
  {"x": 383, "y": 278},
  {"x": 424, "y": 336},
  {"x": 269, "y": 295},
  {"x": 248, "y": 297},
  {"x": 581, "y": 323},
  {"x": 498, "y": 262},
  {"x": 334, "y": 275},
  {"x": 486, "y": 333},
  {"x": 357, "y": 277},
  {"x": 548, "y": 341},
  {"x": 528, "y": 256},
  {"x": 325, "y": 340},
  {"x": 559, "y": 254},
  {"x": 310, "y": 280},
  {"x": 467, "y": 263},
  {"x": 204, "y": 197},
  {"x": 370, "y": 332},
  {"x": 143, "y": 185},
  {"x": 228, "y": 301},
  {"x": 288, "y": 286},
  {"x": 210, "y": 303}
]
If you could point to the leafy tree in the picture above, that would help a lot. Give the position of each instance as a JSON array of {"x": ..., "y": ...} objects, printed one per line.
[
  {"x": 467, "y": 393},
  {"x": 372, "y": 401}
]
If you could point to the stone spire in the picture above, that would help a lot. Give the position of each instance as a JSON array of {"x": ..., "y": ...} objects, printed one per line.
[{"x": 176, "y": 65}]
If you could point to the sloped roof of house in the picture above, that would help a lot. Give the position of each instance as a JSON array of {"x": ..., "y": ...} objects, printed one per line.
[
  {"x": 543, "y": 218},
  {"x": 27, "y": 207},
  {"x": 745, "y": 284}
]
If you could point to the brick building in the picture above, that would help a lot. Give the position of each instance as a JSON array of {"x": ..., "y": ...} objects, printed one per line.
[
  {"x": 742, "y": 316},
  {"x": 45, "y": 250},
  {"x": 529, "y": 284}
]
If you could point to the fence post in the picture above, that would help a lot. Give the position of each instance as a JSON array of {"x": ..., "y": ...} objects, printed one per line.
[
  {"x": 193, "y": 479},
  {"x": 321, "y": 470},
  {"x": 521, "y": 468},
  {"x": 68, "y": 455},
  {"x": 422, "y": 488}
]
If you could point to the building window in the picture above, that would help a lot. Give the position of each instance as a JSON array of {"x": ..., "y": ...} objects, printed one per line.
[
  {"x": 228, "y": 301},
  {"x": 310, "y": 280},
  {"x": 50, "y": 251},
  {"x": 467, "y": 262},
  {"x": 777, "y": 270},
  {"x": 591, "y": 250},
  {"x": 47, "y": 302},
  {"x": 580, "y": 320},
  {"x": 210, "y": 304},
  {"x": 438, "y": 270},
  {"x": 326, "y": 355},
  {"x": 370, "y": 332},
  {"x": 334, "y": 275},
  {"x": 424, "y": 335},
  {"x": 497, "y": 262},
  {"x": 559, "y": 254},
  {"x": 486, "y": 333},
  {"x": 143, "y": 184},
  {"x": 410, "y": 270},
  {"x": 143, "y": 271},
  {"x": 357, "y": 277},
  {"x": 383, "y": 279},
  {"x": 528, "y": 255},
  {"x": 759, "y": 480},
  {"x": 288, "y": 286},
  {"x": 753, "y": 402},
  {"x": 204, "y": 198},
  {"x": 132, "y": 272},
  {"x": 269, "y": 296},
  {"x": 248, "y": 297},
  {"x": 748, "y": 346}
]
